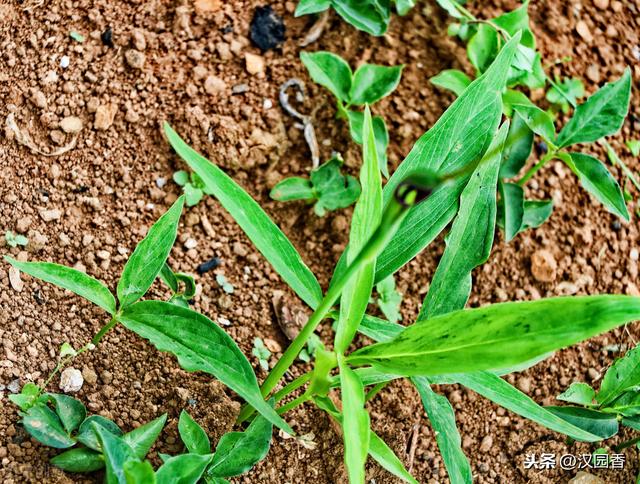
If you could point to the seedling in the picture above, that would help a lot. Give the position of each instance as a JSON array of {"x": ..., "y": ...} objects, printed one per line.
[
  {"x": 314, "y": 343},
  {"x": 326, "y": 187},
  {"x": 261, "y": 352},
  {"x": 183, "y": 286},
  {"x": 616, "y": 403},
  {"x": 369, "y": 15},
  {"x": 14, "y": 240},
  {"x": 192, "y": 187},
  {"x": 447, "y": 344},
  {"x": 601, "y": 115},
  {"x": 224, "y": 284},
  {"x": 634, "y": 146},
  {"x": 389, "y": 299}
]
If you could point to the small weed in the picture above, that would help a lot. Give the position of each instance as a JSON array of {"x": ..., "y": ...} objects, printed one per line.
[
  {"x": 261, "y": 352},
  {"x": 14, "y": 240},
  {"x": 192, "y": 187},
  {"x": 224, "y": 284}
]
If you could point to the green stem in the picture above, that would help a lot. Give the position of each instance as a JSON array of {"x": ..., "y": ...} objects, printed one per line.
[
  {"x": 532, "y": 171},
  {"x": 375, "y": 390},
  {"x": 292, "y": 404},
  {"x": 247, "y": 411},
  {"x": 104, "y": 330},
  {"x": 626, "y": 444},
  {"x": 391, "y": 219}
]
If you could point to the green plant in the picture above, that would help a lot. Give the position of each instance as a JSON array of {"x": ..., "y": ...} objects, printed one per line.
[
  {"x": 389, "y": 299},
  {"x": 183, "y": 286},
  {"x": 192, "y": 187},
  {"x": 14, "y": 240},
  {"x": 261, "y": 352},
  {"x": 601, "y": 115},
  {"x": 616, "y": 402},
  {"x": 445, "y": 177},
  {"x": 634, "y": 146},
  {"x": 371, "y": 16},
  {"x": 326, "y": 186}
]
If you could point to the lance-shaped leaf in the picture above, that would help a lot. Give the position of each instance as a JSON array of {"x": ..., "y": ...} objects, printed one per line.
[
  {"x": 497, "y": 336},
  {"x": 200, "y": 345},
  {"x": 260, "y": 229},
  {"x": 237, "y": 452},
  {"x": 307, "y": 7},
  {"x": 623, "y": 374},
  {"x": 536, "y": 212},
  {"x": 602, "y": 424},
  {"x": 373, "y": 82},
  {"x": 471, "y": 236},
  {"x": 458, "y": 139},
  {"x": 597, "y": 180},
  {"x": 538, "y": 121},
  {"x": 489, "y": 385},
  {"x": 139, "y": 472},
  {"x": 71, "y": 411},
  {"x": 87, "y": 434},
  {"x": 149, "y": 256},
  {"x": 194, "y": 437},
  {"x": 443, "y": 421},
  {"x": 512, "y": 205},
  {"x": 600, "y": 115},
  {"x": 356, "y": 424},
  {"x": 372, "y": 18},
  {"x": 578, "y": 392},
  {"x": 517, "y": 147},
  {"x": 68, "y": 278},
  {"x": 116, "y": 454},
  {"x": 81, "y": 459},
  {"x": 141, "y": 438},
  {"x": 366, "y": 218}
]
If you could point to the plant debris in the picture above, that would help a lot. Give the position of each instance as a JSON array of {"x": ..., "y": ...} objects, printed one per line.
[{"x": 267, "y": 29}]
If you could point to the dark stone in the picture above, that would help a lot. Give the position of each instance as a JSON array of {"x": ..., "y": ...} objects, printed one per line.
[
  {"x": 209, "y": 265},
  {"x": 267, "y": 28},
  {"x": 107, "y": 37},
  {"x": 542, "y": 148}
]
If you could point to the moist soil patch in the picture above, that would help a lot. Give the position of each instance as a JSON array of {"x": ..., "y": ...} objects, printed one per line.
[{"x": 193, "y": 64}]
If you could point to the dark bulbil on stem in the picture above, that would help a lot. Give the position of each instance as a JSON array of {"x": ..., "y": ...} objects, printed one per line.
[{"x": 209, "y": 265}]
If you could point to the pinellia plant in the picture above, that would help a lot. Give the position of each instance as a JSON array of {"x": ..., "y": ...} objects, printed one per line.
[
  {"x": 601, "y": 115},
  {"x": 371, "y": 16},
  {"x": 327, "y": 186},
  {"x": 192, "y": 187},
  {"x": 458, "y": 159}
]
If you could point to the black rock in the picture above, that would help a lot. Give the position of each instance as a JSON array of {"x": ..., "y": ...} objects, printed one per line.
[
  {"x": 542, "y": 148},
  {"x": 209, "y": 265},
  {"x": 107, "y": 37},
  {"x": 267, "y": 28}
]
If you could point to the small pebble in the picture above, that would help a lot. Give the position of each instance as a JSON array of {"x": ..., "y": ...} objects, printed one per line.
[
  {"x": 14, "y": 386},
  {"x": 254, "y": 63},
  {"x": 239, "y": 89},
  {"x": 105, "y": 115},
  {"x": 107, "y": 37},
  {"x": 214, "y": 85},
  {"x": 601, "y": 4},
  {"x": 15, "y": 280},
  {"x": 49, "y": 215},
  {"x": 134, "y": 58},
  {"x": 71, "y": 124},
  {"x": 64, "y": 61},
  {"x": 191, "y": 243},
  {"x": 71, "y": 380},
  {"x": 486, "y": 444},
  {"x": 633, "y": 254},
  {"x": 267, "y": 104},
  {"x": 583, "y": 30},
  {"x": 543, "y": 266},
  {"x": 161, "y": 182}
]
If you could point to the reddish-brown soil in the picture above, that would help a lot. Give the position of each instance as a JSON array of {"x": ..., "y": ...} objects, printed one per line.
[{"x": 105, "y": 189}]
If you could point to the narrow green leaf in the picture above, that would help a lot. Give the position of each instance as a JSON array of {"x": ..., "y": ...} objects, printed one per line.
[
  {"x": 443, "y": 421},
  {"x": 356, "y": 424},
  {"x": 623, "y": 374},
  {"x": 602, "y": 424},
  {"x": 384, "y": 456},
  {"x": 482, "y": 47},
  {"x": 329, "y": 70},
  {"x": 75, "y": 281},
  {"x": 628, "y": 404},
  {"x": 484, "y": 383},
  {"x": 183, "y": 469},
  {"x": 79, "y": 460},
  {"x": 600, "y": 115},
  {"x": 194, "y": 437},
  {"x": 168, "y": 277},
  {"x": 260, "y": 229},
  {"x": 293, "y": 188},
  {"x": 450, "y": 7},
  {"x": 459, "y": 137},
  {"x": 149, "y": 256},
  {"x": 403, "y": 6},
  {"x": 142, "y": 438},
  {"x": 632, "y": 422},
  {"x": 71, "y": 411},
  {"x": 139, "y": 472},
  {"x": 453, "y": 80},
  {"x": 88, "y": 436},
  {"x": 44, "y": 425},
  {"x": 471, "y": 237},
  {"x": 538, "y": 121},
  {"x": 499, "y": 391},
  {"x": 237, "y": 452},
  {"x": 366, "y": 217},
  {"x": 517, "y": 147},
  {"x": 116, "y": 454},
  {"x": 307, "y": 7},
  {"x": 597, "y": 180},
  {"x": 512, "y": 209},
  {"x": 373, "y": 82},
  {"x": 200, "y": 345},
  {"x": 497, "y": 336},
  {"x": 356, "y": 120},
  {"x": 579, "y": 393}
]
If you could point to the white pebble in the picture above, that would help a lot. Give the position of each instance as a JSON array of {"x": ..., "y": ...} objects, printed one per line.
[
  {"x": 161, "y": 181},
  {"x": 15, "y": 279},
  {"x": 634, "y": 254},
  {"x": 190, "y": 243},
  {"x": 64, "y": 61},
  {"x": 267, "y": 104},
  {"x": 71, "y": 380}
]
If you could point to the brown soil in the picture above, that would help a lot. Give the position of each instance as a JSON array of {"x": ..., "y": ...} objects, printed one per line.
[{"x": 106, "y": 191}]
